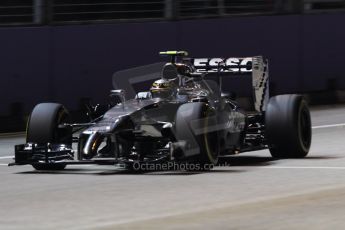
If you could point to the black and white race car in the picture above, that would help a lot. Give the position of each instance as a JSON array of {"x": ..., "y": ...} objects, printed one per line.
[{"x": 185, "y": 117}]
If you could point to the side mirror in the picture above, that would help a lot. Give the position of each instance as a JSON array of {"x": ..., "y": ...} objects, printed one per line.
[
  {"x": 143, "y": 95},
  {"x": 116, "y": 96}
]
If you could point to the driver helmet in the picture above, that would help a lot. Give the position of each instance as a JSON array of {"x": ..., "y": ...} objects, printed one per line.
[{"x": 163, "y": 88}]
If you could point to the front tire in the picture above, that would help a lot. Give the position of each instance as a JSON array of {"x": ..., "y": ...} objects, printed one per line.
[
  {"x": 193, "y": 122},
  {"x": 288, "y": 126},
  {"x": 42, "y": 128}
]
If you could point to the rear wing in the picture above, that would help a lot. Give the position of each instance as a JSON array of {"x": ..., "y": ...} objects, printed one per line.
[{"x": 256, "y": 67}]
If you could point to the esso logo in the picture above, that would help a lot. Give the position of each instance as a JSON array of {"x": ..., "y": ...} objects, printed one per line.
[{"x": 239, "y": 65}]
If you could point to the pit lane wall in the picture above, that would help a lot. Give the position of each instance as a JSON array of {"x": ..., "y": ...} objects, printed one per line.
[{"x": 66, "y": 63}]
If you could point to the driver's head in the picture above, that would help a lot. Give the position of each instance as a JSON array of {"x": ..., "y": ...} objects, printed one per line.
[{"x": 163, "y": 88}]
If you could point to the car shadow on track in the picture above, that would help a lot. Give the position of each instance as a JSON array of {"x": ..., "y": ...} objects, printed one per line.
[
  {"x": 225, "y": 165},
  {"x": 263, "y": 161},
  {"x": 321, "y": 157},
  {"x": 99, "y": 172},
  {"x": 245, "y": 161}
]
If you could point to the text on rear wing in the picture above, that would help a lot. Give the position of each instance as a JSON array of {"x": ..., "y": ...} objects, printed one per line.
[{"x": 235, "y": 65}]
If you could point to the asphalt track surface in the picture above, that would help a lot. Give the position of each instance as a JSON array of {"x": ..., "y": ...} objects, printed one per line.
[{"x": 254, "y": 192}]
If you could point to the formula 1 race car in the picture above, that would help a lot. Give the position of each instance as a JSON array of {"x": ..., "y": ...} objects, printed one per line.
[{"x": 185, "y": 117}]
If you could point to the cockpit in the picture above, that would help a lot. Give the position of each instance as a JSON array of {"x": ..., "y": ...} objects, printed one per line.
[{"x": 179, "y": 83}]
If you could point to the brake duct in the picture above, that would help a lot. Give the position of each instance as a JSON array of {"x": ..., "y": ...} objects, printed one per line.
[{"x": 91, "y": 146}]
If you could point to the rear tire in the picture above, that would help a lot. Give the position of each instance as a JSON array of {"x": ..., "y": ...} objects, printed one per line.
[
  {"x": 43, "y": 128},
  {"x": 288, "y": 126},
  {"x": 192, "y": 123}
]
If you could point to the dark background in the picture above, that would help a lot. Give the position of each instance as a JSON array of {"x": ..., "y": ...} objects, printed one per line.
[{"x": 66, "y": 63}]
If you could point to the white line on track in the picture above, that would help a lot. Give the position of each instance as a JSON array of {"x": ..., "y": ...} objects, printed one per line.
[
  {"x": 3, "y": 164},
  {"x": 16, "y": 134},
  {"x": 7, "y": 157},
  {"x": 329, "y": 126}
]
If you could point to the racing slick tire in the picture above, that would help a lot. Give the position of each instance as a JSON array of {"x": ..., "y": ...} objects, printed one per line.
[
  {"x": 43, "y": 128},
  {"x": 288, "y": 126},
  {"x": 193, "y": 122}
]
